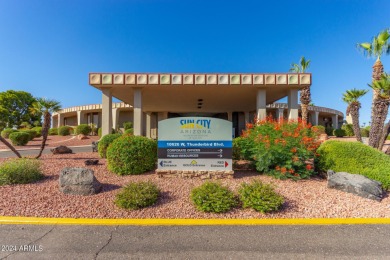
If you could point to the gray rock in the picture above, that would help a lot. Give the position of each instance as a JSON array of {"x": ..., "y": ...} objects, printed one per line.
[
  {"x": 95, "y": 146},
  {"x": 78, "y": 181},
  {"x": 61, "y": 150},
  {"x": 356, "y": 184}
]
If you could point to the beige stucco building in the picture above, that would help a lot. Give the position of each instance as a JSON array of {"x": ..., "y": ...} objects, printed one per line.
[{"x": 149, "y": 98}]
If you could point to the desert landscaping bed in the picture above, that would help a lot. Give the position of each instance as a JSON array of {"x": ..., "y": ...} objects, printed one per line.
[
  {"x": 303, "y": 199},
  {"x": 53, "y": 141}
]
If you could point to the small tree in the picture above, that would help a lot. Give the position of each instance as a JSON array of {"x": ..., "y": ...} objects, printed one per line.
[
  {"x": 351, "y": 97},
  {"x": 46, "y": 107},
  {"x": 305, "y": 96}
]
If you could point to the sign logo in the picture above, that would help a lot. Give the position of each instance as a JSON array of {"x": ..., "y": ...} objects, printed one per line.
[{"x": 195, "y": 123}]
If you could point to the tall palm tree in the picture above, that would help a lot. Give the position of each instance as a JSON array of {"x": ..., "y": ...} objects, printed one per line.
[
  {"x": 10, "y": 146},
  {"x": 378, "y": 46},
  {"x": 46, "y": 107},
  {"x": 305, "y": 96},
  {"x": 351, "y": 97},
  {"x": 380, "y": 109}
]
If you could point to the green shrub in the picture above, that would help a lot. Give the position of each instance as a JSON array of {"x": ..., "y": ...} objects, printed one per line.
[
  {"x": 137, "y": 195},
  {"x": 64, "y": 130},
  {"x": 329, "y": 131},
  {"x": 19, "y": 138},
  {"x": 348, "y": 128},
  {"x": 25, "y": 125},
  {"x": 339, "y": 132},
  {"x": 20, "y": 171},
  {"x": 260, "y": 197},
  {"x": 83, "y": 129},
  {"x": 364, "y": 132},
  {"x": 113, "y": 131},
  {"x": 242, "y": 148},
  {"x": 31, "y": 133},
  {"x": 320, "y": 129},
  {"x": 105, "y": 142},
  {"x": 282, "y": 149},
  {"x": 38, "y": 131},
  {"x": 127, "y": 125},
  {"x": 355, "y": 158},
  {"x": 129, "y": 131},
  {"x": 6, "y": 132},
  {"x": 213, "y": 197},
  {"x": 37, "y": 123},
  {"x": 131, "y": 154},
  {"x": 53, "y": 131}
]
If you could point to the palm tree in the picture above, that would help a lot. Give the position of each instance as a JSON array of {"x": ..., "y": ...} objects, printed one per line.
[
  {"x": 46, "y": 107},
  {"x": 305, "y": 96},
  {"x": 378, "y": 46},
  {"x": 351, "y": 97},
  {"x": 10, "y": 146},
  {"x": 380, "y": 109}
]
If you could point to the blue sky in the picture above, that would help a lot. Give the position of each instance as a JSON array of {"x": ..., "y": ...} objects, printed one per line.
[{"x": 48, "y": 47}]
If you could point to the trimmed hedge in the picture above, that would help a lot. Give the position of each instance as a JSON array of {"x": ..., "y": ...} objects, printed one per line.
[
  {"x": 32, "y": 133},
  {"x": 348, "y": 128},
  {"x": 127, "y": 125},
  {"x": 83, "y": 129},
  {"x": 20, "y": 171},
  {"x": 129, "y": 131},
  {"x": 53, "y": 131},
  {"x": 329, "y": 131},
  {"x": 137, "y": 195},
  {"x": 213, "y": 197},
  {"x": 105, "y": 142},
  {"x": 19, "y": 138},
  {"x": 64, "y": 130},
  {"x": 38, "y": 131},
  {"x": 355, "y": 158},
  {"x": 6, "y": 132},
  {"x": 260, "y": 197},
  {"x": 131, "y": 154},
  {"x": 364, "y": 132},
  {"x": 339, "y": 133}
]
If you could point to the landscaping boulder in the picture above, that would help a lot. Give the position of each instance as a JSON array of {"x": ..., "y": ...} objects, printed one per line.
[
  {"x": 91, "y": 162},
  {"x": 78, "y": 181},
  {"x": 356, "y": 184},
  {"x": 61, "y": 150},
  {"x": 82, "y": 137}
]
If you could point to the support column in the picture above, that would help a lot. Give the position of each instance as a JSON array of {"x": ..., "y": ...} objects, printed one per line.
[
  {"x": 280, "y": 114},
  {"x": 137, "y": 110},
  {"x": 115, "y": 118},
  {"x": 261, "y": 104},
  {"x": 162, "y": 116},
  {"x": 148, "y": 124},
  {"x": 293, "y": 104},
  {"x": 60, "y": 121},
  {"x": 106, "y": 111},
  {"x": 315, "y": 116},
  {"x": 80, "y": 117},
  {"x": 335, "y": 121},
  {"x": 230, "y": 116}
]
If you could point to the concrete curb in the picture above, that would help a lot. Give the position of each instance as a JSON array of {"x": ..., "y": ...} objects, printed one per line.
[
  {"x": 34, "y": 149},
  {"x": 190, "y": 222}
]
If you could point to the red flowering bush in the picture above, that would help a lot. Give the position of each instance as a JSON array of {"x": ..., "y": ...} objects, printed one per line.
[{"x": 281, "y": 149}]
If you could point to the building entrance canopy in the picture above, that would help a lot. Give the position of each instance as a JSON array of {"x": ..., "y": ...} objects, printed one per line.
[{"x": 196, "y": 93}]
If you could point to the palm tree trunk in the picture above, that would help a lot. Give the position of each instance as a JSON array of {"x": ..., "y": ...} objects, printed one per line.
[
  {"x": 377, "y": 71},
  {"x": 10, "y": 147},
  {"x": 385, "y": 134},
  {"x": 304, "y": 113},
  {"x": 381, "y": 107},
  {"x": 45, "y": 132},
  {"x": 354, "y": 112}
]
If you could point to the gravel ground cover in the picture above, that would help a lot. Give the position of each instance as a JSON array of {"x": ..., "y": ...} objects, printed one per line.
[
  {"x": 53, "y": 141},
  {"x": 304, "y": 199}
]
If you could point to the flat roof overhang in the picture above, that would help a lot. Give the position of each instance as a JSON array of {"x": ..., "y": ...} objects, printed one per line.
[{"x": 181, "y": 92}]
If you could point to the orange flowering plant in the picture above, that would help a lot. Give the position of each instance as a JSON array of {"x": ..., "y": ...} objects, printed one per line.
[{"x": 283, "y": 149}]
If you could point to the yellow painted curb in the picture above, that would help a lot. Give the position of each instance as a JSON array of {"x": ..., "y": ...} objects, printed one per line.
[{"x": 191, "y": 222}]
